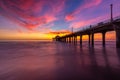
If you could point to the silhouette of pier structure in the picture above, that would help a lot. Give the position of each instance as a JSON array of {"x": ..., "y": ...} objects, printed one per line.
[{"x": 112, "y": 24}]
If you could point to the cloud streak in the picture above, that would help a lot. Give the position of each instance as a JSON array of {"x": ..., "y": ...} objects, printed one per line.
[
  {"x": 31, "y": 13},
  {"x": 82, "y": 24}
]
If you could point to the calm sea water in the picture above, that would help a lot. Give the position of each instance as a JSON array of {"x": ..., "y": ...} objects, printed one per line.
[{"x": 46, "y": 60}]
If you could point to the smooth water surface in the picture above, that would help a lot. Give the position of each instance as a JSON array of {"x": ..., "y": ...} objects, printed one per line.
[{"x": 39, "y": 60}]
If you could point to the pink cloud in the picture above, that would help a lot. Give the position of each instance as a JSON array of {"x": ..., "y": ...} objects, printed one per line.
[
  {"x": 69, "y": 17},
  {"x": 29, "y": 13},
  {"x": 50, "y": 18},
  {"x": 86, "y": 23}
]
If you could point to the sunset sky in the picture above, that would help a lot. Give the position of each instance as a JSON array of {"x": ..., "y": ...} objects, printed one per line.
[{"x": 44, "y": 19}]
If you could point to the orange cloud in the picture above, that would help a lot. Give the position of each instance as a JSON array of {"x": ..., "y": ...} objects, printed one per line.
[{"x": 60, "y": 32}]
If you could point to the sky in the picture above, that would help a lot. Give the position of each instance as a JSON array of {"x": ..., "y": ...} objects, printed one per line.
[{"x": 44, "y": 19}]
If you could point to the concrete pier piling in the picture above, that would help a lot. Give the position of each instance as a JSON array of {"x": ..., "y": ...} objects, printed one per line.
[{"x": 103, "y": 38}]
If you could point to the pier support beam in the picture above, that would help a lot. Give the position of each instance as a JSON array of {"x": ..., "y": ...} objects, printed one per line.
[
  {"x": 117, "y": 29},
  {"x": 92, "y": 37},
  {"x": 103, "y": 38},
  {"x": 72, "y": 39},
  {"x": 75, "y": 39},
  {"x": 80, "y": 39},
  {"x": 89, "y": 39},
  {"x": 63, "y": 39},
  {"x": 66, "y": 39},
  {"x": 69, "y": 39}
]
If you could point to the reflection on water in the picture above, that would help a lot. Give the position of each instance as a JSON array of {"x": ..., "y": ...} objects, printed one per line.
[{"x": 58, "y": 61}]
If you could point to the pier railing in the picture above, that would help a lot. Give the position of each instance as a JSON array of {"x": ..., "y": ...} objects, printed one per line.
[{"x": 98, "y": 24}]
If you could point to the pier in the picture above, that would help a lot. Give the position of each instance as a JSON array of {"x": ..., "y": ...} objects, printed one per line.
[{"x": 103, "y": 27}]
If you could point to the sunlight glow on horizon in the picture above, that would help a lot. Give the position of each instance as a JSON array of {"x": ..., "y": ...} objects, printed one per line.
[{"x": 45, "y": 19}]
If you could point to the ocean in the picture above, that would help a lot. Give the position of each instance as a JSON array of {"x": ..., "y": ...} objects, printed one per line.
[{"x": 50, "y": 60}]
